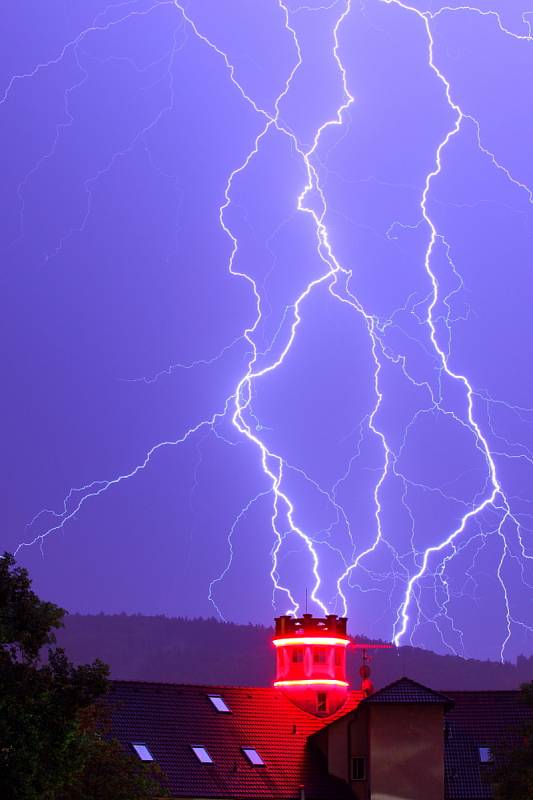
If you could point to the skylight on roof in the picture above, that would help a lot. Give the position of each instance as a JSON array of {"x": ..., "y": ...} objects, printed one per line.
[
  {"x": 253, "y": 756},
  {"x": 485, "y": 755},
  {"x": 219, "y": 703},
  {"x": 201, "y": 754},
  {"x": 142, "y": 751}
]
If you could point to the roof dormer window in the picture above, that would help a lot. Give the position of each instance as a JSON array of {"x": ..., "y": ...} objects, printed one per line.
[
  {"x": 253, "y": 756},
  {"x": 485, "y": 755},
  {"x": 219, "y": 703},
  {"x": 142, "y": 751},
  {"x": 201, "y": 754}
]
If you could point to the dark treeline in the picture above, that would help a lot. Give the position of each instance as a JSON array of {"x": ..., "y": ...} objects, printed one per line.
[{"x": 178, "y": 650}]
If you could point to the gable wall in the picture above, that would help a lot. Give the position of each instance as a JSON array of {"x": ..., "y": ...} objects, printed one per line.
[{"x": 406, "y": 752}]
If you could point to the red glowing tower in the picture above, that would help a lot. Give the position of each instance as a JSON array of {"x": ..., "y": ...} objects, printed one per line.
[{"x": 311, "y": 661}]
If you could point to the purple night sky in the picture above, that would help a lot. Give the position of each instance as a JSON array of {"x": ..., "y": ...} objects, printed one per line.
[{"x": 355, "y": 383}]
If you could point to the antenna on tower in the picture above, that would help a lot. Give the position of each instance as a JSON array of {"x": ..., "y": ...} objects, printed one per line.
[{"x": 306, "y": 599}]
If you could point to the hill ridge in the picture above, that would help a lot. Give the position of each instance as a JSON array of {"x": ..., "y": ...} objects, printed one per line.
[{"x": 207, "y": 651}]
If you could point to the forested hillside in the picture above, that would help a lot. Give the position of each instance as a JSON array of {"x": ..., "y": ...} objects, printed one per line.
[{"x": 207, "y": 651}]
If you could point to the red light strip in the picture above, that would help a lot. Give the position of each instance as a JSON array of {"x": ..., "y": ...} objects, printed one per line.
[
  {"x": 312, "y": 682},
  {"x": 324, "y": 640}
]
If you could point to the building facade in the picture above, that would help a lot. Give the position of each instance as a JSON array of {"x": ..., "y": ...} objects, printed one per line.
[{"x": 311, "y": 737}]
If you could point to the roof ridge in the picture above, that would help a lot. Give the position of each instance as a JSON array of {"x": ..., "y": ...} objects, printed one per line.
[
  {"x": 483, "y": 691},
  {"x": 381, "y": 694},
  {"x": 133, "y": 681}
]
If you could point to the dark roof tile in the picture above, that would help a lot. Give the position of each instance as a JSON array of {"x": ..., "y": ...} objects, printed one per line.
[
  {"x": 479, "y": 719},
  {"x": 405, "y": 690},
  {"x": 169, "y": 718}
]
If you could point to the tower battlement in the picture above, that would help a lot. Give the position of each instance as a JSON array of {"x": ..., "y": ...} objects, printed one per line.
[{"x": 307, "y": 625}]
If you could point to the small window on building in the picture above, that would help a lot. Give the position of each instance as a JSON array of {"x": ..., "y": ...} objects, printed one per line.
[
  {"x": 219, "y": 703},
  {"x": 201, "y": 754},
  {"x": 253, "y": 756},
  {"x": 321, "y": 702},
  {"x": 358, "y": 768},
  {"x": 297, "y": 655},
  {"x": 337, "y": 658},
  {"x": 485, "y": 755},
  {"x": 142, "y": 751},
  {"x": 319, "y": 657}
]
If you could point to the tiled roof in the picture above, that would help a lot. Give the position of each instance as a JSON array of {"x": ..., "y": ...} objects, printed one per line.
[
  {"x": 169, "y": 718},
  {"x": 478, "y": 719},
  {"x": 405, "y": 690}
]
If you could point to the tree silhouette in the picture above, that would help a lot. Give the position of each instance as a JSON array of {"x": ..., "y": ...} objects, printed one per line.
[{"x": 52, "y": 742}]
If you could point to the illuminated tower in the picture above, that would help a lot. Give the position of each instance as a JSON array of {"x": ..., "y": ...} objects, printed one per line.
[{"x": 311, "y": 662}]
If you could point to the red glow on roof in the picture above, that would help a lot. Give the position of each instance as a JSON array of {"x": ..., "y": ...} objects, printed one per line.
[
  {"x": 312, "y": 682},
  {"x": 299, "y": 640}
]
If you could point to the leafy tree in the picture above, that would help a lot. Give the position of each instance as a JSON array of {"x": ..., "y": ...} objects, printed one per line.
[
  {"x": 52, "y": 743},
  {"x": 513, "y": 773},
  {"x": 109, "y": 773}
]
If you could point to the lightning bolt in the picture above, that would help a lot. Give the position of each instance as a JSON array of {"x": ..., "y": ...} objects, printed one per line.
[
  {"x": 272, "y": 463},
  {"x": 99, "y": 25},
  {"x": 496, "y": 497},
  {"x": 489, "y": 515}
]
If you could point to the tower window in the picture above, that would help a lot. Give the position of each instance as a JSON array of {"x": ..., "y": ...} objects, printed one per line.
[
  {"x": 297, "y": 655},
  {"x": 319, "y": 657},
  {"x": 321, "y": 702},
  {"x": 358, "y": 768},
  {"x": 337, "y": 658}
]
